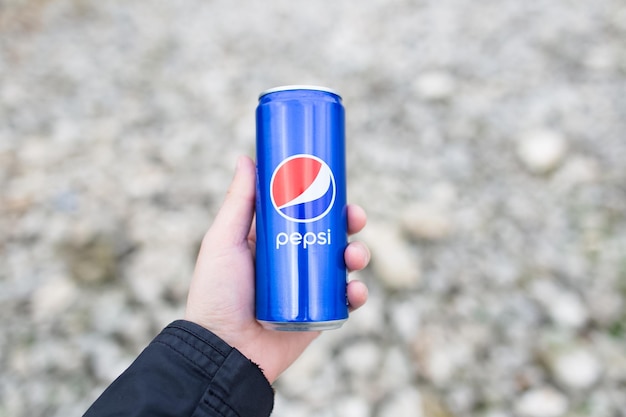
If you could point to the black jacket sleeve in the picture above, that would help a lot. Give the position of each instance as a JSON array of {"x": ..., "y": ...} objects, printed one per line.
[{"x": 187, "y": 371}]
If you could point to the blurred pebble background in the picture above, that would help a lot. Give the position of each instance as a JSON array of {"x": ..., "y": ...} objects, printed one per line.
[{"x": 487, "y": 141}]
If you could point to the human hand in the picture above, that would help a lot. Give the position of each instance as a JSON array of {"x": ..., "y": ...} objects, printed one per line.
[{"x": 221, "y": 296}]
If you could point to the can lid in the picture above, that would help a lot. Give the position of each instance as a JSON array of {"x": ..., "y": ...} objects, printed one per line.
[{"x": 299, "y": 87}]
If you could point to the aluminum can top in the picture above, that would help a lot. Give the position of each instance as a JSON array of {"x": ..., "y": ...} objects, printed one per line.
[{"x": 299, "y": 87}]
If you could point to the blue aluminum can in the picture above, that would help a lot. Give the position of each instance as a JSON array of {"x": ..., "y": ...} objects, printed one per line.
[{"x": 301, "y": 222}]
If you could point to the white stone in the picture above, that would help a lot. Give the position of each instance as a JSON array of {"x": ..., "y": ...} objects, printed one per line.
[
  {"x": 461, "y": 398},
  {"x": 107, "y": 358},
  {"x": 352, "y": 406},
  {"x": 426, "y": 221},
  {"x": 435, "y": 85},
  {"x": 396, "y": 370},
  {"x": 13, "y": 401},
  {"x": 362, "y": 359},
  {"x": 156, "y": 271},
  {"x": 440, "y": 355},
  {"x": 605, "y": 306},
  {"x": 542, "y": 402},
  {"x": 60, "y": 356},
  {"x": 136, "y": 328},
  {"x": 52, "y": 298},
  {"x": 568, "y": 310},
  {"x": 403, "y": 403},
  {"x": 145, "y": 288},
  {"x": 392, "y": 260},
  {"x": 405, "y": 319},
  {"x": 541, "y": 151},
  {"x": 108, "y": 312},
  {"x": 297, "y": 378},
  {"x": 283, "y": 407},
  {"x": 564, "y": 307},
  {"x": 34, "y": 153},
  {"x": 578, "y": 170},
  {"x": 441, "y": 366},
  {"x": 497, "y": 413},
  {"x": 577, "y": 368},
  {"x": 610, "y": 350}
]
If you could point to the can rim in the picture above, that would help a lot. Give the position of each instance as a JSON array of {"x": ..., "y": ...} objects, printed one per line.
[{"x": 299, "y": 87}]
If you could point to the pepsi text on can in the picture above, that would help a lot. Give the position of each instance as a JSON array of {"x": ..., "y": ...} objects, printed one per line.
[{"x": 306, "y": 240}]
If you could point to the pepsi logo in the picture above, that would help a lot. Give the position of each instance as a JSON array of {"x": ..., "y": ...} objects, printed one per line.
[{"x": 303, "y": 188}]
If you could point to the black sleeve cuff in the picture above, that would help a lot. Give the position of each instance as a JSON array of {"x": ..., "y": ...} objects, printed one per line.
[
  {"x": 236, "y": 383},
  {"x": 187, "y": 371}
]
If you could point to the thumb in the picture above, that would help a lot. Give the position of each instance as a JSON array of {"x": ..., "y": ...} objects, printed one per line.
[{"x": 233, "y": 221}]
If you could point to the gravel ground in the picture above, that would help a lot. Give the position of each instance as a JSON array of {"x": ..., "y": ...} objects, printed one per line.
[{"x": 486, "y": 141}]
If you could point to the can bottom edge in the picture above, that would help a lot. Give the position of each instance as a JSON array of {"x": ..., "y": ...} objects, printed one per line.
[{"x": 310, "y": 326}]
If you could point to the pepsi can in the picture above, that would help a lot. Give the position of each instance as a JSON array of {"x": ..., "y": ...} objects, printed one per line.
[{"x": 301, "y": 222}]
